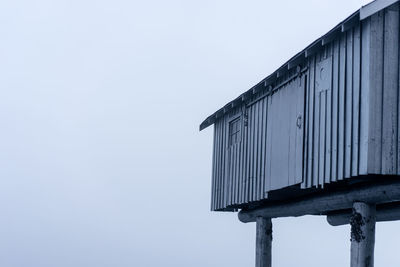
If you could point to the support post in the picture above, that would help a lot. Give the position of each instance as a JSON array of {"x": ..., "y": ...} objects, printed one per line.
[
  {"x": 362, "y": 235},
  {"x": 263, "y": 242}
]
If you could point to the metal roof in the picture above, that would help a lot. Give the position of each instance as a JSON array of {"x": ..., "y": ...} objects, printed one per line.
[{"x": 361, "y": 14}]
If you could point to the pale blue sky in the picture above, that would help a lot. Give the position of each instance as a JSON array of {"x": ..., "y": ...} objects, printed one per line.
[{"x": 101, "y": 161}]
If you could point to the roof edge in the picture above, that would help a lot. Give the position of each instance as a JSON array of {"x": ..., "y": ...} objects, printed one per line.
[{"x": 361, "y": 14}]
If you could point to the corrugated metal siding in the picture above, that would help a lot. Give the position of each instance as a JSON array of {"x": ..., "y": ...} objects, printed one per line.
[{"x": 351, "y": 122}]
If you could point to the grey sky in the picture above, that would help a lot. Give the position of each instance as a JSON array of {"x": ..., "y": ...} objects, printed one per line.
[{"x": 101, "y": 161}]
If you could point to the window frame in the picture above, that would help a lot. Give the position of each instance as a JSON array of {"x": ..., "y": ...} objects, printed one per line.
[{"x": 238, "y": 120}]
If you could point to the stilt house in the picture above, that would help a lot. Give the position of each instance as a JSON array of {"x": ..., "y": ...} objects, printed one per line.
[{"x": 326, "y": 119}]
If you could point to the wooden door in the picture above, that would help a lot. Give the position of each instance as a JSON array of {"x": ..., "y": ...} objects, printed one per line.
[{"x": 285, "y": 132}]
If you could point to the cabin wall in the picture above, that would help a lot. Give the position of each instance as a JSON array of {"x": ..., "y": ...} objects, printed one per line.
[
  {"x": 347, "y": 98},
  {"x": 383, "y": 107},
  {"x": 352, "y": 127},
  {"x": 332, "y": 139},
  {"x": 268, "y": 155}
]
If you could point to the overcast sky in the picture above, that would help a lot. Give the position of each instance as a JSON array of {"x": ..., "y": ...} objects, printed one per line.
[{"x": 101, "y": 161}]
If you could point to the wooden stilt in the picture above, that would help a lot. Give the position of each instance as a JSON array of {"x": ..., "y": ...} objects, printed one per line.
[
  {"x": 263, "y": 242},
  {"x": 362, "y": 235}
]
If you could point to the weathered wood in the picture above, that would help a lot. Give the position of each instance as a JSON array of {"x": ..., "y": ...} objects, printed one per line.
[
  {"x": 384, "y": 213},
  {"x": 324, "y": 203},
  {"x": 356, "y": 101},
  {"x": 348, "y": 129},
  {"x": 342, "y": 106},
  {"x": 390, "y": 90},
  {"x": 362, "y": 235},
  {"x": 263, "y": 242},
  {"x": 365, "y": 95},
  {"x": 348, "y": 108},
  {"x": 375, "y": 102}
]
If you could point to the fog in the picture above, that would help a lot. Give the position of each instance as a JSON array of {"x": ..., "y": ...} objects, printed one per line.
[{"x": 101, "y": 160}]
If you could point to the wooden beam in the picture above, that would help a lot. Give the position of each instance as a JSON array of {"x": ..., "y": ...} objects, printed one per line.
[
  {"x": 296, "y": 61},
  {"x": 374, "y": 7},
  {"x": 330, "y": 36},
  {"x": 351, "y": 22},
  {"x": 263, "y": 242},
  {"x": 384, "y": 213},
  {"x": 324, "y": 203},
  {"x": 282, "y": 71},
  {"x": 362, "y": 235},
  {"x": 313, "y": 48}
]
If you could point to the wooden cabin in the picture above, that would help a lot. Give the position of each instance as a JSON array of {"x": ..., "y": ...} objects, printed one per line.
[{"x": 328, "y": 117}]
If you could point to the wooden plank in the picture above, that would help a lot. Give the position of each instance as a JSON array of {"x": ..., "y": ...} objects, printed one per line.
[
  {"x": 256, "y": 146},
  {"x": 305, "y": 183},
  {"x": 285, "y": 122},
  {"x": 328, "y": 127},
  {"x": 373, "y": 7},
  {"x": 221, "y": 164},
  {"x": 348, "y": 105},
  {"x": 351, "y": 22},
  {"x": 241, "y": 153},
  {"x": 259, "y": 148},
  {"x": 335, "y": 109},
  {"x": 364, "y": 96},
  {"x": 263, "y": 146},
  {"x": 342, "y": 114},
  {"x": 235, "y": 171},
  {"x": 313, "y": 48},
  {"x": 263, "y": 242},
  {"x": 280, "y": 149},
  {"x": 225, "y": 164},
  {"x": 230, "y": 175},
  {"x": 398, "y": 125},
  {"x": 244, "y": 157},
  {"x": 362, "y": 235},
  {"x": 317, "y": 122},
  {"x": 247, "y": 158},
  {"x": 270, "y": 120},
  {"x": 375, "y": 104},
  {"x": 214, "y": 168},
  {"x": 275, "y": 140},
  {"x": 356, "y": 101},
  {"x": 322, "y": 133},
  {"x": 292, "y": 94},
  {"x": 380, "y": 193},
  {"x": 390, "y": 91},
  {"x": 251, "y": 151},
  {"x": 311, "y": 124},
  {"x": 300, "y": 97},
  {"x": 384, "y": 213},
  {"x": 238, "y": 176}
]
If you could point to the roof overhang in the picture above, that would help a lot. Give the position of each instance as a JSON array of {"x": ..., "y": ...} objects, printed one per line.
[{"x": 355, "y": 18}]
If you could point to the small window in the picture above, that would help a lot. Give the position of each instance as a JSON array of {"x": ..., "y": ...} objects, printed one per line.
[{"x": 234, "y": 131}]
